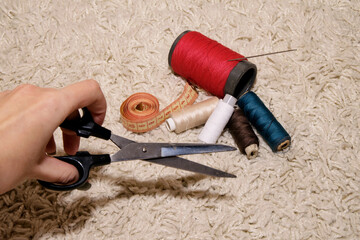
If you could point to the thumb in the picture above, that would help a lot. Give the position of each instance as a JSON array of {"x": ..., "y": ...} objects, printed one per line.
[{"x": 55, "y": 171}]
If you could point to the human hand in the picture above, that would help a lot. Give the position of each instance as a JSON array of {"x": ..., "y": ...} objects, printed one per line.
[{"x": 29, "y": 116}]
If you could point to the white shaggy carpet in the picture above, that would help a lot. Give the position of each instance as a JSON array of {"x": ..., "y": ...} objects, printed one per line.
[{"x": 311, "y": 191}]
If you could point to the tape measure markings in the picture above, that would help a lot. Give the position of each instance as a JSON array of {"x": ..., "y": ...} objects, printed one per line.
[{"x": 140, "y": 111}]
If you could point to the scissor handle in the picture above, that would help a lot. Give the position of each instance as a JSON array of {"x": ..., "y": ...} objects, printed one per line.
[
  {"x": 83, "y": 161},
  {"x": 85, "y": 126}
]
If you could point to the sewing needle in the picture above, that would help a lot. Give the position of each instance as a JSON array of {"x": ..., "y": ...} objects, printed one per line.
[{"x": 261, "y": 55}]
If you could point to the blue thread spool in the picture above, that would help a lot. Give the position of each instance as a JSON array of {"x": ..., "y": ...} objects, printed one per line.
[{"x": 264, "y": 121}]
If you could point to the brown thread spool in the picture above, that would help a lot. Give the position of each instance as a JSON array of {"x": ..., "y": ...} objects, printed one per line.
[{"x": 243, "y": 134}]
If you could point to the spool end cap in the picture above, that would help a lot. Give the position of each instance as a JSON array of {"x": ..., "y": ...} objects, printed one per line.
[
  {"x": 229, "y": 100},
  {"x": 252, "y": 151},
  {"x": 170, "y": 124}
]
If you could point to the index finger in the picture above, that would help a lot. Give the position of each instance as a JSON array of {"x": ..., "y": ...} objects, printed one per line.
[{"x": 88, "y": 94}]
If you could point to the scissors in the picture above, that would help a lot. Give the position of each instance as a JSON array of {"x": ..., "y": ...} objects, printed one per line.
[{"x": 160, "y": 153}]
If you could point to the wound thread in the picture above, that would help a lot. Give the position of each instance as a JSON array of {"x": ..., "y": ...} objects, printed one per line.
[
  {"x": 191, "y": 116},
  {"x": 264, "y": 122},
  {"x": 218, "y": 120},
  {"x": 243, "y": 134},
  {"x": 204, "y": 62}
]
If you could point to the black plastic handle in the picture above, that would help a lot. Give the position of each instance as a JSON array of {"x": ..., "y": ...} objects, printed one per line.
[
  {"x": 83, "y": 161},
  {"x": 86, "y": 127}
]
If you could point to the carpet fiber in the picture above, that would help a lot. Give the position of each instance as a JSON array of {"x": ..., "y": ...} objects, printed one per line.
[{"x": 310, "y": 191}]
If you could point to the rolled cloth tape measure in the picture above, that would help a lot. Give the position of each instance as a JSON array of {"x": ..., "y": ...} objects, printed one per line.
[
  {"x": 140, "y": 112},
  {"x": 205, "y": 63}
]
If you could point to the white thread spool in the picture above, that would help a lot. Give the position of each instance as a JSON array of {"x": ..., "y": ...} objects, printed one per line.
[
  {"x": 218, "y": 120},
  {"x": 191, "y": 116}
]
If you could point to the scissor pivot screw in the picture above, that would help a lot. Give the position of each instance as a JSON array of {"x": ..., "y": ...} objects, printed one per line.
[{"x": 144, "y": 149}]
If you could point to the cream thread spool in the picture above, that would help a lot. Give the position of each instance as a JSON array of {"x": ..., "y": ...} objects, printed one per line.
[
  {"x": 191, "y": 116},
  {"x": 218, "y": 120}
]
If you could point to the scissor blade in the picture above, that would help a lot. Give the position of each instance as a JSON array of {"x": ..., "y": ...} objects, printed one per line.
[
  {"x": 187, "y": 165},
  {"x": 134, "y": 150},
  {"x": 120, "y": 141},
  {"x": 187, "y": 149}
]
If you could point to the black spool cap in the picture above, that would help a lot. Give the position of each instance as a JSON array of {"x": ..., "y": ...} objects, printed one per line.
[
  {"x": 174, "y": 45},
  {"x": 240, "y": 79}
]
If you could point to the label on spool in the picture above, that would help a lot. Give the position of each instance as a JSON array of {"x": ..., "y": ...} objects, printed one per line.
[{"x": 140, "y": 112}]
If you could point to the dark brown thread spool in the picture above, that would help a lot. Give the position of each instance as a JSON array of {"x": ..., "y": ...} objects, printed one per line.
[{"x": 243, "y": 134}]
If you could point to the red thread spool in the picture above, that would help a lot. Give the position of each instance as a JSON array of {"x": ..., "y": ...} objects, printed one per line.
[{"x": 204, "y": 62}]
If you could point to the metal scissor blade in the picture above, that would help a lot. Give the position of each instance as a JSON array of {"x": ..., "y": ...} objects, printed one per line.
[
  {"x": 178, "y": 162},
  {"x": 120, "y": 141},
  {"x": 184, "y": 164},
  {"x": 187, "y": 149},
  {"x": 135, "y": 150}
]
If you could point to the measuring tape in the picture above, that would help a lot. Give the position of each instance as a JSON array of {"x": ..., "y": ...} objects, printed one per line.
[{"x": 140, "y": 112}]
